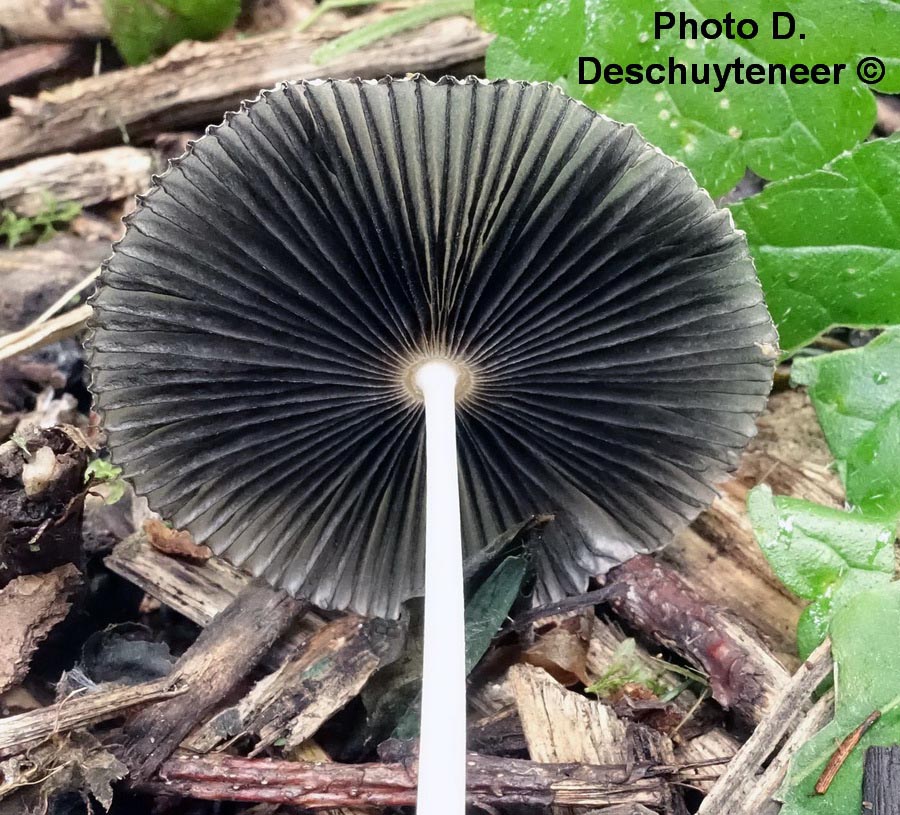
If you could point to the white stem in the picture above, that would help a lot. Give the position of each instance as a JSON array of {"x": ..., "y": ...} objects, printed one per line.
[{"x": 442, "y": 745}]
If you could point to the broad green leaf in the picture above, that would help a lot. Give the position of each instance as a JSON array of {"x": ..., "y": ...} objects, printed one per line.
[
  {"x": 823, "y": 555},
  {"x": 857, "y": 399},
  {"x": 490, "y": 605},
  {"x": 827, "y": 244},
  {"x": 873, "y": 468},
  {"x": 142, "y": 29},
  {"x": 776, "y": 130},
  {"x": 867, "y": 660}
]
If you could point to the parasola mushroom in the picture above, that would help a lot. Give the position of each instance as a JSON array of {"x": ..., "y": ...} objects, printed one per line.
[{"x": 350, "y": 288}]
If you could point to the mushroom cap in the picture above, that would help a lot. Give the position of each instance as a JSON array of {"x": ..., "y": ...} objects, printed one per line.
[{"x": 258, "y": 328}]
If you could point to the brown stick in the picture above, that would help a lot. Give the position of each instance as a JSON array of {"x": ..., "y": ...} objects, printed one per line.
[
  {"x": 224, "y": 653},
  {"x": 26, "y": 730},
  {"x": 26, "y": 63},
  {"x": 843, "y": 751},
  {"x": 490, "y": 780},
  {"x": 196, "y": 82},
  {"x": 743, "y": 674}
]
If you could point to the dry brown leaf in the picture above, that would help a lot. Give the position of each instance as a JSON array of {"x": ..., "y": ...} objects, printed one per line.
[
  {"x": 30, "y": 606},
  {"x": 561, "y": 650},
  {"x": 175, "y": 542},
  {"x": 76, "y": 764}
]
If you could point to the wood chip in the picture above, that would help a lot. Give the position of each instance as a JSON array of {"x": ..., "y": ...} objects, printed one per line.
[
  {"x": 881, "y": 781},
  {"x": 88, "y": 178},
  {"x": 30, "y": 607},
  {"x": 562, "y": 726}
]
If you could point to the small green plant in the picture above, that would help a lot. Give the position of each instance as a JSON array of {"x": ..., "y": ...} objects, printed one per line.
[
  {"x": 627, "y": 668},
  {"x": 100, "y": 471},
  {"x": 143, "y": 29},
  {"x": 18, "y": 229},
  {"x": 389, "y": 26}
]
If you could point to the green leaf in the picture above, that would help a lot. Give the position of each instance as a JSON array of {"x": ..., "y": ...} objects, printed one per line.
[
  {"x": 776, "y": 130},
  {"x": 821, "y": 554},
  {"x": 101, "y": 470},
  {"x": 867, "y": 673},
  {"x": 105, "y": 472},
  {"x": 827, "y": 244},
  {"x": 485, "y": 613},
  {"x": 490, "y": 605},
  {"x": 142, "y": 29},
  {"x": 857, "y": 399}
]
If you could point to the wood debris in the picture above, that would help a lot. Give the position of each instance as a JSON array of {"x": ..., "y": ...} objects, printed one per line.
[
  {"x": 30, "y": 606},
  {"x": 742, "y": 673},
  {"x": 23, "y": 731},
  {"x": 881, "y": 781},
  {"x": 490, "y": 781},
  {"x": 195, "y": 82},
  {"x": 87, "y": 178}
]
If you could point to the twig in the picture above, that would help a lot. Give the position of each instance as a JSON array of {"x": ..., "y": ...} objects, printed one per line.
[
  {"x": 38, "y": 335},
  {"x": 25, "y": 730},
  {"x": 576, "y": 603},
  {"x": 758, "y": 800},
  {"x": 655, "y": 599},
  {"x": 728, "y": 792},
  {"x": 490, "y": 780},
  {"x": 843, "y": 751}
]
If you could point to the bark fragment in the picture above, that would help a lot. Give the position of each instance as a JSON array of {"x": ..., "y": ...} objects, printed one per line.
[{"x": 30, "y": 606}]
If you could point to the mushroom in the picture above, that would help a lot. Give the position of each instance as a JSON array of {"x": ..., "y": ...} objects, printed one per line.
[{"x": 351, "y": 288}]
